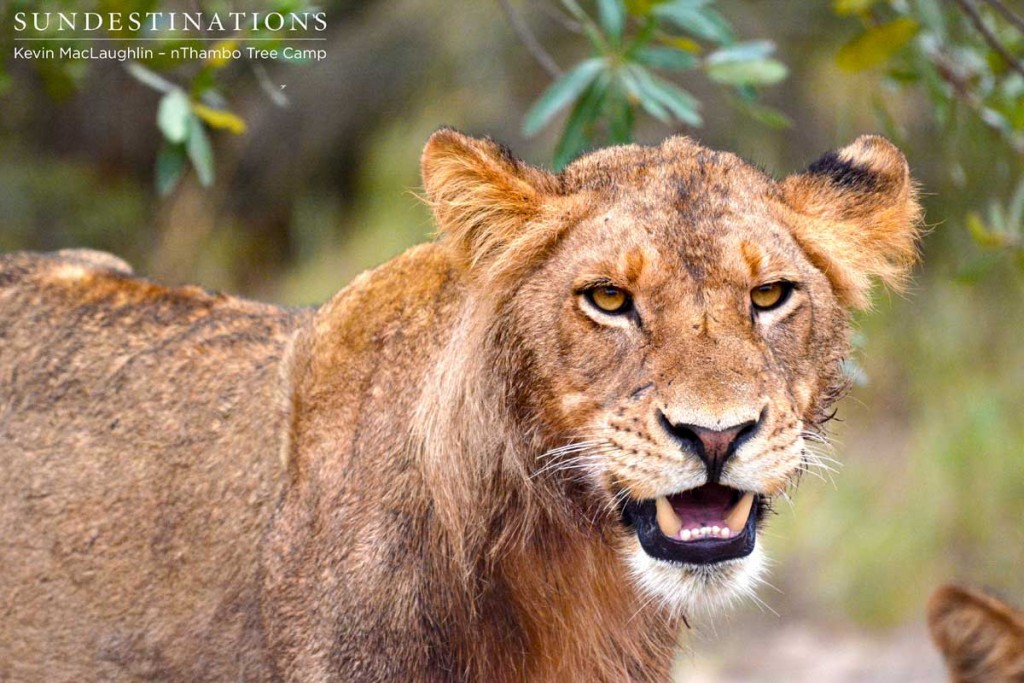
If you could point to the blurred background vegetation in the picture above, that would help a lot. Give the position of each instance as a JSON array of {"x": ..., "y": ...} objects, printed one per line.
[{"x": 304, "y": 186}]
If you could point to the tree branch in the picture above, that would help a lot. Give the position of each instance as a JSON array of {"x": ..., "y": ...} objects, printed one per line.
[
  {"x": 530, "y": 41},
  {"x": 1007, "y": 13},
  {"x": 962, "y": 90},
  {"x": 972, "y": 12},
  {"x": 562, "y": 18}
]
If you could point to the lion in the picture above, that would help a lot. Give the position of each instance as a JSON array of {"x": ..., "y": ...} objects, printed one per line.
[
  {"x": 527, "y": 451},
  {"x": 980, "y": 636}
]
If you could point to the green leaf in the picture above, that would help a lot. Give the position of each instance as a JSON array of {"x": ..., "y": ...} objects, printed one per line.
[
  {"x": 746, "y": 93},
  {"x": 148, "y": 77},
  {"x": 170, "y": 167},
  {"x": 612, "y": 14},
  {"x": 620, "y": 117},
  {"x": 762, "y": 113},
  {"x": 665, "y": 58},
  {"x": 681, "y": 104},
  {"x": 742, "y": 52},
  {"x": 847, "y": 7},
  {"x": 930, "y": 13},
  {"x": 203, "y": 81},
  {"x": 631, "y": 81},
  {"x": 904, "y": 75},
  {"x": 200, "y": 153},
  {"x": 679, "y": 5},
  {"x": 590, "y": 29},
  {"x": 576, "y": 138},
  {"x": 754, "y": 72},
  {"x": 560, "y": 94},
  {"x": 876, "y": 45},
  {"x": 173, "y": 115},
  {"x": 691, "y": 17}
]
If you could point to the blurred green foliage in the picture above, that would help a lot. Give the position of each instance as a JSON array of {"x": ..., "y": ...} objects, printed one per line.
[
  {"x": 967, "y": 58},
  {"x": 630, "y": 43},
  {"x": 194, "y": 101},
  {"x": 959, "y": 54}
]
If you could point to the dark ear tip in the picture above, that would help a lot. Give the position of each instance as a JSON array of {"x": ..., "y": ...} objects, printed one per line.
[
  {"x": 870, "y": 163},
  {"x": 879, "y": 154}
]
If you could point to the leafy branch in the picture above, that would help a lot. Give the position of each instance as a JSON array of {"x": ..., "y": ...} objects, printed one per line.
[
  {"x": 959, "y": 53},
  {"x": 634, "y": 47},
  {"x": 529, "y": 41},
  {"x": 993, "y": 41},
  {"x": 194, "y": 98}
]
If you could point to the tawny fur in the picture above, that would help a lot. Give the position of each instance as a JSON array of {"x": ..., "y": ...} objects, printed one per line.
[
  {"x": 419, "y": 479},
  {"x": 980, "y": 636}
]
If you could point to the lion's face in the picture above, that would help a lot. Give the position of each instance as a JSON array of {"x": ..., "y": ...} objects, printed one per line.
[
  {"x": 688, "y": 341},
  {"x": 682, "y": 319}
]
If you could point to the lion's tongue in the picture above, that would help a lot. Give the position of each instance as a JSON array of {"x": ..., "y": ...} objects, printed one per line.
[{"x": 708, "y": 507}]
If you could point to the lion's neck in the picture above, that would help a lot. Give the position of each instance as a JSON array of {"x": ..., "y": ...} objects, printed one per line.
[
  {"x": 580, "y": 615},
  {"x": 558, "y": 595}
]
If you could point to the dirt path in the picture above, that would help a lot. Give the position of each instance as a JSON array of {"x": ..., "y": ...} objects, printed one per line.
[{"x": 805, "y": 652}]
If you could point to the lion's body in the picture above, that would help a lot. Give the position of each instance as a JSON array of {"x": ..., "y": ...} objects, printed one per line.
[
  {"x": 138, "y": 472},
  {"x": 195, "y": 487},
  {"x": 143, "y": 453}
]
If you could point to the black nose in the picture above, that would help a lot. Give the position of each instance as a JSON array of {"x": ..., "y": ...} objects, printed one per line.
[{"x": 713, "y": 446}]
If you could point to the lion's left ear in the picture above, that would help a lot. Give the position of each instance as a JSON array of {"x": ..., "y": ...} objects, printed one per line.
[
  {"x": 857, "y": 216},
  {"x": 483, "y": 198}
]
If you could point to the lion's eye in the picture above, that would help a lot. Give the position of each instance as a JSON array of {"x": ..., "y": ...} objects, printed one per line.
[
  {"x": 611, "y": 300},
  {"x": 771, "y": 295}
]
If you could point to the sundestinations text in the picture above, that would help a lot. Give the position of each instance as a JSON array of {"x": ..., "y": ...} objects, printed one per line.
[{"x": 170, "y": 21}]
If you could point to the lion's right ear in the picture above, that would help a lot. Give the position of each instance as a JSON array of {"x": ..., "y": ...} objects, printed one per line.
[
  {"x": 482, "y": 196},
  {"x": 857, "y": 216}
]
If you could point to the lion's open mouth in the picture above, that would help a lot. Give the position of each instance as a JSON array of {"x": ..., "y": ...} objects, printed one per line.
[{"x": 708, "y": 524}]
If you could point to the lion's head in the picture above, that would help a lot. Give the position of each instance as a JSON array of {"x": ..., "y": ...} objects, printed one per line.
[{"x": 668, "y": 326}]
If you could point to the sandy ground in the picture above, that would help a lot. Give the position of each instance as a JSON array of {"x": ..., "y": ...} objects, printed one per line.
[{"x": 802, "y": 652}]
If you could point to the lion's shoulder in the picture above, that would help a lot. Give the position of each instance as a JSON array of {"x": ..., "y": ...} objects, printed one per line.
[
  {"x": 86, "y": 278},
  {"x": 88, "y": 308},
  {"x": 24, "y": 268}
]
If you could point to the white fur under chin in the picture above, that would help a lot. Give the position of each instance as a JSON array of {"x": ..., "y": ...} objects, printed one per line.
[{"x": 694, "y": 590}]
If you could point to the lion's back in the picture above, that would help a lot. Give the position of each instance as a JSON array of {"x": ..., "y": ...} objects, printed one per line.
[{"x": 138, "y": 465}]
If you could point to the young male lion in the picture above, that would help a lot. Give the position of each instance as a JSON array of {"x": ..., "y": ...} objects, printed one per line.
[
  {"x": 981, "y": 637},
  {"x": 523, "y": 452}
]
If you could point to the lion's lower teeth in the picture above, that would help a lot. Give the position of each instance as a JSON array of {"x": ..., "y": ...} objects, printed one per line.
[
  {"x": 672, "y": 526},
  {"x": 705, "y": 532}
]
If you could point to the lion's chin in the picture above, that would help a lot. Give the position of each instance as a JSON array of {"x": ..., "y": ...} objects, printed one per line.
[{"x": 689, "y": 589}]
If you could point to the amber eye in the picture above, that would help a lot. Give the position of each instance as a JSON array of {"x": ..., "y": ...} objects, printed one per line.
[
  {"x": 771, "y": 295},
  {"x": 610, "y": 300}
]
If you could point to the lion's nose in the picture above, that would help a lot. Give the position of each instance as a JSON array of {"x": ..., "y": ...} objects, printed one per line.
[{"x": 713, "y": 446}]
